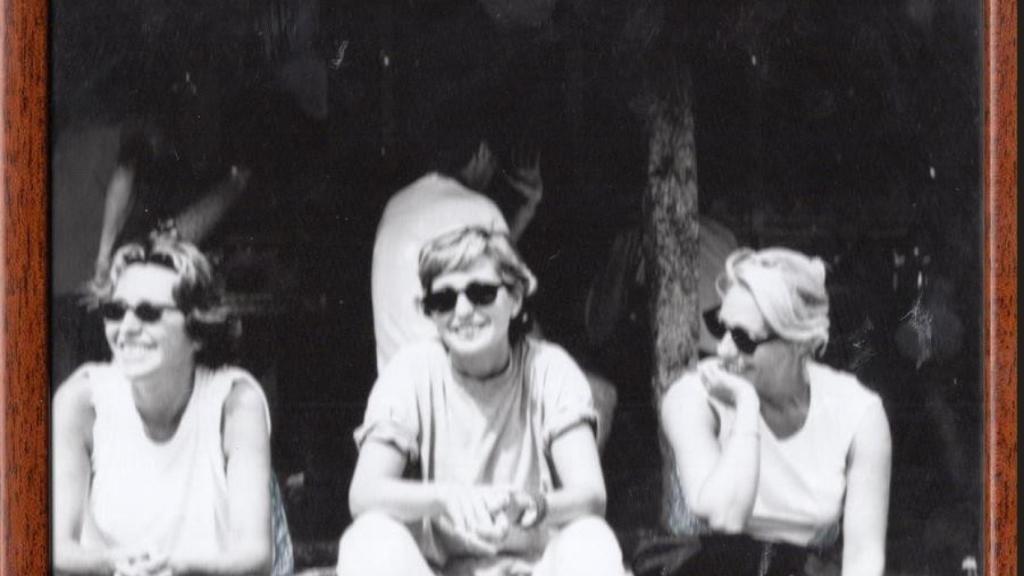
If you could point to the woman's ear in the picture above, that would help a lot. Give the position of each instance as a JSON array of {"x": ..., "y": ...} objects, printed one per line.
[
  {"x": 515, "y": 292},
  {"x": 802, "y": 351}
]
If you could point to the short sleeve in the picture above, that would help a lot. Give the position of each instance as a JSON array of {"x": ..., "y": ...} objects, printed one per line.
[
  {"x": 565, "y": 393},
  {"x": 391, "y": 412}
]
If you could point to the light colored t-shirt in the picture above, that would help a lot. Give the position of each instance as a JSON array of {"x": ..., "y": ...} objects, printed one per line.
[
  {"x": 802, "y": 478},
  {"x": 472, "y": 433},
  {"x": 429, "y": 207},
  {"x": 171, "y": 496}
]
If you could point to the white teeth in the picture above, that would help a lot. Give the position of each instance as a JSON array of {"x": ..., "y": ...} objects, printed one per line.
[
  {"x": 734, "y": 367},
  {"x": 466, "y": 331},
  {"x": 133, "y": 348}
]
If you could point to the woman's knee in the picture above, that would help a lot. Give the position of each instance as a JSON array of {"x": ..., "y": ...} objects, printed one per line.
[
  {"x": 587, "y": 546},
  {"x": 378, "y": 544}
]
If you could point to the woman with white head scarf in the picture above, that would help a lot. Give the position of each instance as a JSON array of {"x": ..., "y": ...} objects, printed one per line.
[{"x": 771, "y": 447}]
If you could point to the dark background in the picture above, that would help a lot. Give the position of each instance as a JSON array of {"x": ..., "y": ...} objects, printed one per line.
[{"x": 849, "y": 130}]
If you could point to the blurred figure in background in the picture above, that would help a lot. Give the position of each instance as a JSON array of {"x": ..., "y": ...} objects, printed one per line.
[{"x": 450, "y": 197}]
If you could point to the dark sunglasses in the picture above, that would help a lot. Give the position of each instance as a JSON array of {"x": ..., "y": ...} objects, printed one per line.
[
  {"x": 740, "y": 337},
  {"x": 114, "y": 311},
  {"x": 478, "y": 293}
]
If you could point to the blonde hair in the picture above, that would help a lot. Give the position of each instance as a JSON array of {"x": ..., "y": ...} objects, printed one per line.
[
  {"x": 461, "y": 249},
  {"x": 789, "y": 289},
  {"x": 198, "y": 292}
]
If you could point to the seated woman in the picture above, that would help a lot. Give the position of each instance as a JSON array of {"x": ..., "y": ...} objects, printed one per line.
[
  {"x": 161, "y": 458},
  {"x": 770, "y": 445},
  {"x": 477, "y": 452}
]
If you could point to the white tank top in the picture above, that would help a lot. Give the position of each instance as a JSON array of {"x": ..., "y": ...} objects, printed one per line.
[
  {"x": 171, "y": 496},
  {"x": 802, "y": 479}
]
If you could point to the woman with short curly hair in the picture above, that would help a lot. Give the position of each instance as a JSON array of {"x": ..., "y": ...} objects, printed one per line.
[
  {"x": 478, "y": 452},
  {"x": 162, "y": 456}
]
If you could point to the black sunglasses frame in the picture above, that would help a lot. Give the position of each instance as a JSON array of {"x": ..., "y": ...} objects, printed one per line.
[
  {"x": 744, "y": 342},
  {"x": 478, "y": 293},
  {"x": 146, "y": 312}
]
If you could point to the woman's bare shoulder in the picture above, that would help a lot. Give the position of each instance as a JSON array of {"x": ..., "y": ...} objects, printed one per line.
[
  {"x": 74, "y": 405},
  {"x": 245, "y": 394},
  {"x": 77, "y": 391},
  {"x": 685, "y": 388}
]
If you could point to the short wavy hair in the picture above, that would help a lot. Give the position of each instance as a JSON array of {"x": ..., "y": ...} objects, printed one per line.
[
  {"x": 198, "y": 292},
  {"x": 789, "y": 289},
  {"x": 461, "y": 249}
]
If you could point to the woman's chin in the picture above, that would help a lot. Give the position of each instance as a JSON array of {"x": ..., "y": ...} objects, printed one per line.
[
  {"x": 135, "y": 367},
  {"x": 466, "y": 349},
  {"x": 476, "y": 351},
  {"x": 469, "y": 342}
]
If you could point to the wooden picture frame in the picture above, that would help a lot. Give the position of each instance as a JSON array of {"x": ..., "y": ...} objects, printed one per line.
[{"x": 24, "y": 380}]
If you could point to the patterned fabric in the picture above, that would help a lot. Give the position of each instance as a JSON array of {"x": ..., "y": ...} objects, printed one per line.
[{"x": 284, "y": 560}]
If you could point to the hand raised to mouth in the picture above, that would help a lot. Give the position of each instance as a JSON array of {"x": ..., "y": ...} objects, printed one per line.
[{"x": 724, "y": 380}]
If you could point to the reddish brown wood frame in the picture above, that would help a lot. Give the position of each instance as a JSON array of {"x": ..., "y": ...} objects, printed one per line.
[{"x": 24, "y": 389}]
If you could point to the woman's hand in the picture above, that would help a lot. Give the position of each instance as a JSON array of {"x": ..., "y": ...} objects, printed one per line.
[
  {"x": 478, "y": 514},
  {"x": 527, "y": 510},
  {"x": 718, "y": 479},
  {"x": 141, "y": 563},
  {"x": 524, "y": 174},
  {"x": 721, "y": 382}
]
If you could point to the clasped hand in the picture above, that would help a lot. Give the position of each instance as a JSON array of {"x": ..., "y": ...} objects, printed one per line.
[
  {"x": 142, "y": 563},
  {"x": 483, "y": 516}
]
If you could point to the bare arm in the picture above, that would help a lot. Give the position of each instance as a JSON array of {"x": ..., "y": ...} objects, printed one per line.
[
  {"x": 719, "y": 484},
  {"x": 471, "y": 511},
  {"x": 582, "y": 493},
  {"x": 866, "y": 509},
  {"x": 525, "y": 179},
  {"x": 521, "y": 219},
  {"x": 196, "y": 222},
  {"x": 117, "y": 205},
  {"x": 377, "y": 485},
  {"x": 246, "y": 442},
  {"x": 73, "y": 418}
]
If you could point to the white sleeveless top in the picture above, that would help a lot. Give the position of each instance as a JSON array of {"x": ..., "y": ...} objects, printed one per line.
[
  {"x": 802, "y": 480},
  {"x": 171, "y": 496}
]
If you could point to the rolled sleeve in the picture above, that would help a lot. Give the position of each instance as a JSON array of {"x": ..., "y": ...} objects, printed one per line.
[
  {"x": 566, "y": 420},
  {"x": 391, "y": 412},
  {"x": 567, "y": 398}
]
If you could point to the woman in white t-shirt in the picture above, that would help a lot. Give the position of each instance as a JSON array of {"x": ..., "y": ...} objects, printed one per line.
[
  {"x": 161, "y": 458},
  {"x": 478, "y": 452},
  {"x": 770, "y": 446}
]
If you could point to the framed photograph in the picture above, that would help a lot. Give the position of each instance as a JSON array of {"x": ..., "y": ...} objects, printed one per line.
[{"x": 628, "y": 147}]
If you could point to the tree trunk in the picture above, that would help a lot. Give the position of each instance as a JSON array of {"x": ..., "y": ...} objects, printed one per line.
[{"x": 671, "y": 245}]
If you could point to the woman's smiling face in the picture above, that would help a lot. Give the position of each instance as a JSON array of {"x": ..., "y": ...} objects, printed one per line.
[
  {"x": 476, "y": 331},
  {"x": 740, "y": 313},
  {"x": 143, "y": 348}
]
